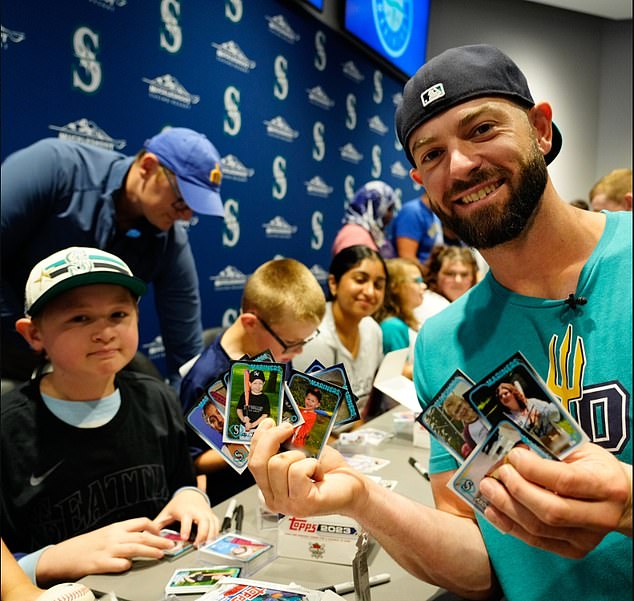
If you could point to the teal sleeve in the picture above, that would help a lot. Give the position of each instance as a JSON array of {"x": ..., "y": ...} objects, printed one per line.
[{"x": 395, "y": 334}]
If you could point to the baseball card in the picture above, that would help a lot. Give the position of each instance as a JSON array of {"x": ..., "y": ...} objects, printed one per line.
[
  {"x": 336, "y": 374},
  {"x": 318, "y": 402},
  {"x": 452, "y": 420},
  {"x": 187, "y": 581},
  {"x": 255, "y": 392},
  {"x": 487, "y": 457},
  {"x": 515, "y": 391},
  {"x": 207, "y": 419},
  {"x": 180, "y": 546}
]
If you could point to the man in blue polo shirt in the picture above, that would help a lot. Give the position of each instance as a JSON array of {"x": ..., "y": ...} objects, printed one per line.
[{"x": 58, "y": 193}]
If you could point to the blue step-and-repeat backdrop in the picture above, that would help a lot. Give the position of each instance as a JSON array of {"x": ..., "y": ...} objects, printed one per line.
[{"x": 300, "y": 117}]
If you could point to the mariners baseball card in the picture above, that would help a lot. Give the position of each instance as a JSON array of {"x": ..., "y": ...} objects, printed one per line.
[
  {"x": 452, "y": 420},
  {"x": 318, "y": 402},
  {"x": 515, "y": 391},
  {"x": 487, "y": 457},
  {"x": 207, "y": 419},
  {"x": 255, "y": 392}
]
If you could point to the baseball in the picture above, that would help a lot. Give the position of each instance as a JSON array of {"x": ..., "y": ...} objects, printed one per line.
[{"x": 69, "y": 591}]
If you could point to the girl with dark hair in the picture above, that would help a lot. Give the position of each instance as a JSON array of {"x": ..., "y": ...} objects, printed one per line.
[{"x": 348, "y": 334}]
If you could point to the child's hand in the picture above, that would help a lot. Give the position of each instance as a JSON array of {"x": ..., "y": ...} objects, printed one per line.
[
  {"x": 108, "y": 549},
  {"x": 190, "y": 507}
]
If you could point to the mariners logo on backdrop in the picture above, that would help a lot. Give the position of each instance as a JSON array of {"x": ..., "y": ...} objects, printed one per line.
[
  {"x": 155, "y": 349},
  {"x": 318, "y": 187},
  {"x": 321, "y": 58},
  {"x": 234, "y": 10},
  {"x": 398, "y": 170},
  {"x": 280, "y": 86},
  {"x": 233, "y": 168},
  {"x": 167, "y": 88},
  {"x": 377, "y": 93},
  {"x": 231, "y": 54},
  {"x": 377, "y": 126},
  {"x": 397, "y": 98},
  {"x": 351, "y": 111},
  {"x": 109, "y": 4},
  {"x": 318, "y": 97},
  {"x": 279, "y": 128},
  {"x": 8, "y": 35},
  {"x": 278, "y": 227},
  {"x": 280, "y": 183},
  {"x": 350, "y": 153},
  {"x": 393, "y": 20},
  {"x": 377, "y": 166},
  {"x": 230, "y": 278},
  {"x": 351, "y": 71},
  {"x": 319, "y": 144},
  {"x": 321, "y": 274},
  {"x": 86, "y": 74},
  {"x": 232, "y": 122},
  {"x": 171, "y": 32},
  {"x": 231, "y": 224},
  {"x": 279, "y": 26},
  {"x": 87, "y": 132},
  {"x": 317, "y": 230}
]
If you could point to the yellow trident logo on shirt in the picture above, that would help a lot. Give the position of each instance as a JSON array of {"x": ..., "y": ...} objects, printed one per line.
[
  {"x": 565, "y": 380},
  {"x": 215, "y": 175}
]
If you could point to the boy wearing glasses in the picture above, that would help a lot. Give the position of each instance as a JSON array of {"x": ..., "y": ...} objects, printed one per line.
[
  {"x": 57, "y": 193},
  {"x": 282, "y": 305}
]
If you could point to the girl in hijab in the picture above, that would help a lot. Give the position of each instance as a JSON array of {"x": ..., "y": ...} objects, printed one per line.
[{"x": 365, "y": 219}]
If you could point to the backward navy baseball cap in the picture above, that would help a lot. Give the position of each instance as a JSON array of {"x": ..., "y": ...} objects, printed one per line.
[
  {"x": 195, "y": 162},
  {"x": 458, "y": 75},
  {"x": 73, "y": 267}
]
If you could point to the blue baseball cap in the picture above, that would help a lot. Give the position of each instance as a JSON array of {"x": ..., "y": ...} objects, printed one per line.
[{"x": 195, "y": 162}]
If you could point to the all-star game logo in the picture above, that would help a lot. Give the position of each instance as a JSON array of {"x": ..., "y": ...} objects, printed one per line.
[
  {"x": 109, "y": 4},
  {"x": 231, "y": 54},
  {"x": 278, "y": 227},
  {"x": 88, "y": 132},
  {"x": 233, "y": 168},
  {"x": 393, "y": 20},
  {"x": 168, "y": 89},
  {"x": 316, "y": 550},
  {"x": 230, "y": 278}
]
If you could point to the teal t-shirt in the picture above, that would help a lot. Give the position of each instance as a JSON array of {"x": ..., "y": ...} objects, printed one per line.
[{"x": 585, "y": 357}]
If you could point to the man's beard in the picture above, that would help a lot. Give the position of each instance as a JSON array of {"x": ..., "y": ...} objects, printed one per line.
[{"x": 493, "y": 225}]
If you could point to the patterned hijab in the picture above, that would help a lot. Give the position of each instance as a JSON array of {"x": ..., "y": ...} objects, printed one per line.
[{"x": 368, "y": 208}]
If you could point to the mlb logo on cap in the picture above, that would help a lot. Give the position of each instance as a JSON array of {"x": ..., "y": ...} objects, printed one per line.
[{"x": 433, "y": 93}]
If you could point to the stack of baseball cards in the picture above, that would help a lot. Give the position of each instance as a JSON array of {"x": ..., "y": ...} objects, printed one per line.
[
  {"x": 479, "y": 423},
  {"x": 257, "y": 388},
  {"x": 237, "y": 550}
]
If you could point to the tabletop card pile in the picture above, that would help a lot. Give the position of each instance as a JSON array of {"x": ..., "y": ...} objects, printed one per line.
[
  {"x": 255, "y": 388},
  {"x": 479, "y": 424},
  {"x": 232, "y": 549}
]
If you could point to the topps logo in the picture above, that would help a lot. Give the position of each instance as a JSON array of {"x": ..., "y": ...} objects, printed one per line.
[
  {"x": 302, "y": 526},
  {"x": 299, "y": 525}
]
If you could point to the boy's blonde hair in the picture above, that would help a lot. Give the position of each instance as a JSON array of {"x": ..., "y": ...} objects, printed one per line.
[
  {"x": 615, "y": 185},
  {"x": 284, "y": 289}
]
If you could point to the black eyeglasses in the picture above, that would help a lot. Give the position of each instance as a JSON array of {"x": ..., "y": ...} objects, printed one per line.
[
  {"x": 179, "y": 205},
  {"x": 287, "y": 346}
]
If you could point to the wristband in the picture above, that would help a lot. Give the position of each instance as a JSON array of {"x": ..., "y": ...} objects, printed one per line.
[{"x": 202, "y": 492}]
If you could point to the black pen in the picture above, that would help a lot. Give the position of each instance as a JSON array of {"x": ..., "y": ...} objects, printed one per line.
[
  {"x": 419, "y": 468},
  {"x": 347, "y": 587},
  {"x": 238, "y": 515},
  {"x": 226, "y": 521}
]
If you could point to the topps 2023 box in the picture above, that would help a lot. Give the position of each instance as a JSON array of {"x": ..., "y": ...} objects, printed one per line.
[{"x": 327, "y": 538}]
